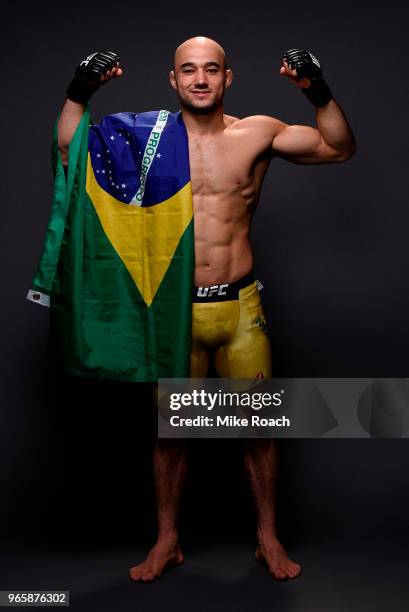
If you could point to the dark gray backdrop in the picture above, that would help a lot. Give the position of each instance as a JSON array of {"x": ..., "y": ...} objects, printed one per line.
[{"x": 331, "y": 248}]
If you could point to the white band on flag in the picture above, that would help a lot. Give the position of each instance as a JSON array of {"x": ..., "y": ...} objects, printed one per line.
[{"x": 149, "y": 155}]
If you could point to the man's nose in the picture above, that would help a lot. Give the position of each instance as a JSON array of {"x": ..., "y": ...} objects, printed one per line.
[{"x": 201, "y": 77}]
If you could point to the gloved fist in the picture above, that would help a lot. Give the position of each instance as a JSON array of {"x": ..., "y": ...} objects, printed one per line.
[
  {"x": 96, "y": 66},
  {"x": 303, "y": 68},
  {"x": 93, "y": 71}
]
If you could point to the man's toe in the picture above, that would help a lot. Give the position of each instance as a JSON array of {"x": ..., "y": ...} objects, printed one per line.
[
  {"x": 279, "y": 573},
  {"x": 135, "y": 572},
  {"x": 148, "y": 576}
]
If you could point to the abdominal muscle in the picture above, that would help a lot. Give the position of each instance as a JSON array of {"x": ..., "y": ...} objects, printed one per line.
[
  {"x": 222, "y": 247},
  {"x": 226, "y": 180}
]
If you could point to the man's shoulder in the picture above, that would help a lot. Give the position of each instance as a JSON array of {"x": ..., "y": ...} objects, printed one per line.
[
  {"x": 256, "y": 122},
  {"x": 256, "y": 131}
]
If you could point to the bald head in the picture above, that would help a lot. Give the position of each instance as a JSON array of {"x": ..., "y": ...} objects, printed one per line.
[
  {"x": 200, "y": 75},
  {"x": 199, "y": 47}
]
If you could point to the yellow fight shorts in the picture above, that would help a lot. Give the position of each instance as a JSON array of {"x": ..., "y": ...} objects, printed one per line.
[{"x": 229, "y": 328}]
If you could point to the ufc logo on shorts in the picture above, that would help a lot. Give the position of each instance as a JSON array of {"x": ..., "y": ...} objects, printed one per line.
[{"x": 213, "y": 290}]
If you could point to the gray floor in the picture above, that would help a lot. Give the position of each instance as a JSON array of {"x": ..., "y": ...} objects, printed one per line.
[{"x": 338, "y": 576}]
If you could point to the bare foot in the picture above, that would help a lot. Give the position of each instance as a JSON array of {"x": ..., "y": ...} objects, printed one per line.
[
  {"x": 163, "y": 555},
  {"x": 272, "y": 554}
]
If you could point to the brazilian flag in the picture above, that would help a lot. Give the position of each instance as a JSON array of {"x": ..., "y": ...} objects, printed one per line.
[{"x": 118, "y": 259}]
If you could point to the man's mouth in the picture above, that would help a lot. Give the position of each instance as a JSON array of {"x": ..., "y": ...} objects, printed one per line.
[{"x": 200, "y": 93}]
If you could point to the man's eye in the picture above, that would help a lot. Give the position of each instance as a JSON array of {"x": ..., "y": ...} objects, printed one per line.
[
  {"x": 187, "y": 71},
  {"x": 212, "y": 70}
]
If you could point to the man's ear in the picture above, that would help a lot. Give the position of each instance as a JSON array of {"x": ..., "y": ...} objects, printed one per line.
[
  {"x": 172, "y": 79},
  {"x": 229, "y": 77}
]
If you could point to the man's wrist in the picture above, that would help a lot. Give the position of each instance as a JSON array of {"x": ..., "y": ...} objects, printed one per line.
[
  {"x": 318, "y": 93},
  {"x": 81, "y": 91}
]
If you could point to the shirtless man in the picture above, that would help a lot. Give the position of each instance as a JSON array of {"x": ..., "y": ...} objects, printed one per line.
[{"x": 229, "y": 158}]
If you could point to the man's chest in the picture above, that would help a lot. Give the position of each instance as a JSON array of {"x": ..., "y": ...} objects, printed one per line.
[{"x": 220, "y": 164}]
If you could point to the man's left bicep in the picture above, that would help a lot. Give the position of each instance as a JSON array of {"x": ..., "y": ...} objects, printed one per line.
[{"x": 302, "y": 144}]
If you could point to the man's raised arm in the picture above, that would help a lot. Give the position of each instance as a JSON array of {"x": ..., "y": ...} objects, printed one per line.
[
  {"x": 332, "y": 140},
  {"x": 94, "y": 71}
]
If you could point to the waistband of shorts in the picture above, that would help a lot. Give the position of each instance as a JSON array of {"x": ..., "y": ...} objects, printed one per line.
[{"x": 222, "y": 292}]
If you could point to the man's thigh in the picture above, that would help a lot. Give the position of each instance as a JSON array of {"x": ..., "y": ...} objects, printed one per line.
[{"x": 248, "y": 353}]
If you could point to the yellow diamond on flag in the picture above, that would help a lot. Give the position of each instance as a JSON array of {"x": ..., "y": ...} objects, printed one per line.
[{"x": 145, "y": 237}]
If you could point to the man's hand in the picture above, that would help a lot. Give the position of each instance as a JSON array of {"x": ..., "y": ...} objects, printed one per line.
[
  {"x": 99, "y": 67},
  {"x": 303, "y": 68},
  {"x": 290, "y": 73},
  {"x": 94, "y": 71}
]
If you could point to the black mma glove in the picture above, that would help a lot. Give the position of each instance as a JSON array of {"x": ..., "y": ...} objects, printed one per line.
[
  {"x": 307, "y": 66},
  {"x": 87, "y": 76}
]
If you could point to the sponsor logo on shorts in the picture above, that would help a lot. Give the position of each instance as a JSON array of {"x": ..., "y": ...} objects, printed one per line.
[
  {"x": 214, "y": 290},
  {"x": 261, "y": 323}
]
